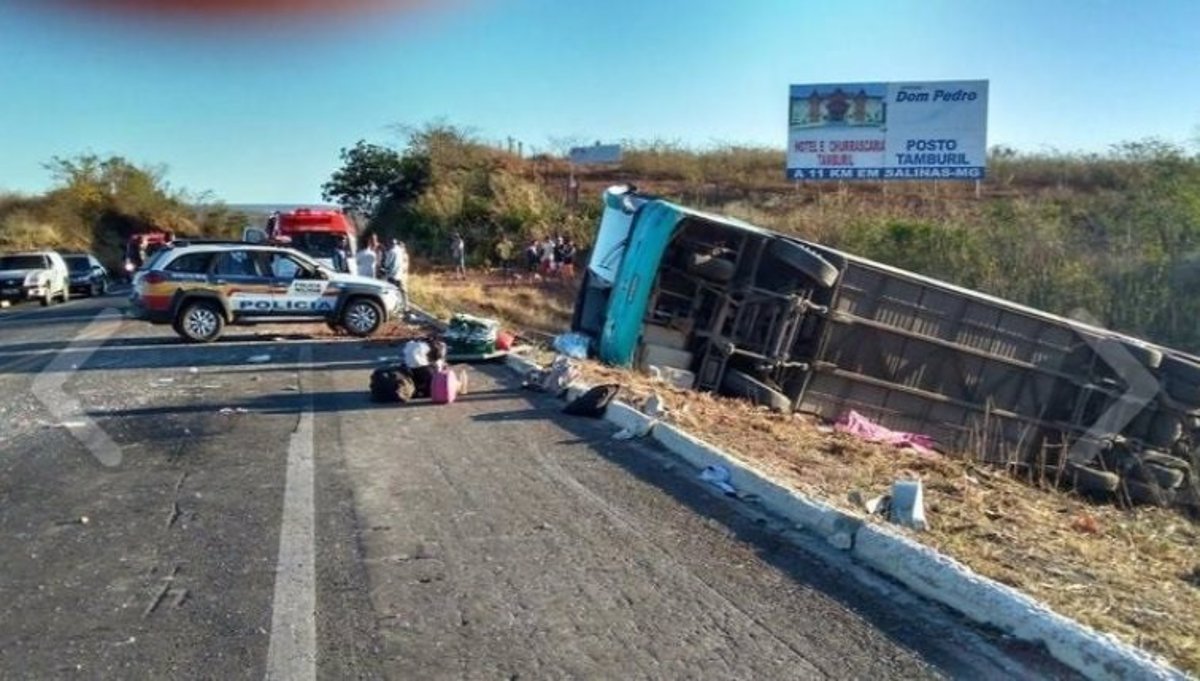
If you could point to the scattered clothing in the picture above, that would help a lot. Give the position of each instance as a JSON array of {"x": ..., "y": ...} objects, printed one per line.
[{"x": 859, "y": 425}]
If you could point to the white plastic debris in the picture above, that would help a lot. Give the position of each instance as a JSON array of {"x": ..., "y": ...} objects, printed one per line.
[
  {"x": 880, "y": 504},
  {"x": 233, "y": 410},
  {"x": 654, "y": 407},
  {"x": 676, "y": 378},
  {"x": 718, "y": 476},
  {"x": 258, "y": 359},
  {"x": 193, "y": 370},
  {"x": 908, "y": 504}
]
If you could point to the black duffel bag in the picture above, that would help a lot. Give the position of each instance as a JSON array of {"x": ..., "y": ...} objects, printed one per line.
[
  {"x": 391, "y": 384},
  {"x": 594, "y": 402}
]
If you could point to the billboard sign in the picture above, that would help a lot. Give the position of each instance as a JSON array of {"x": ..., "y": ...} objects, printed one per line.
[
  {"x": 595, "y": 154},
  {"x": 888, "y": 131}
]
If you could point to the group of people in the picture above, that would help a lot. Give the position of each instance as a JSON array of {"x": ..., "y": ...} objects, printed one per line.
[
  {"x": 389, "y": 263},
  {"x": 553, "y": 256}
]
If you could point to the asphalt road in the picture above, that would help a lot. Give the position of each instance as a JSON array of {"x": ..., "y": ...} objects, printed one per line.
[{"x": 181, "y": 511}]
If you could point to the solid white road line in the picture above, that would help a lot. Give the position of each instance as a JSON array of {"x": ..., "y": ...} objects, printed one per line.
[{"x": 292, "y": 654}]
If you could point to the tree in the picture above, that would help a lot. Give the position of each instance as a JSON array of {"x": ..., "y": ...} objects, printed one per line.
[{"x": 371, "y": 174}]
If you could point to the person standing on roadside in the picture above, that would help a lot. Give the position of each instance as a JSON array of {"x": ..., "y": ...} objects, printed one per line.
[
  {"x": 547, "y": 253},
  {"x": 366, "y": 262},
  {"x": 504, "y": 253},
  {"x": 458, "y": 250},
  {"x": 566, "y": 260},
  {"x": 394, "y": 268},
  {"x": 378, "y": 247},
  {"x": 532, "y": 256},
  {"x": 341, "y": 255}
]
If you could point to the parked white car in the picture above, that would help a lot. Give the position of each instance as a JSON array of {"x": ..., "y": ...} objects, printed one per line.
[{"x": 37, "y": 275}]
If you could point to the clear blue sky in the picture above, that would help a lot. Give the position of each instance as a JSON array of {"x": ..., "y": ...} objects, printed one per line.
[{"x": 256, "y": 112}]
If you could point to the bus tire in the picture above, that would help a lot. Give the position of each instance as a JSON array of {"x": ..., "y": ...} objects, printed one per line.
[
  {"x": 739, "y": 384},
  {"x": 802, "y": 258}
]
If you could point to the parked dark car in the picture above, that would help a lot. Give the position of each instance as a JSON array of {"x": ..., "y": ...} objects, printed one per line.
[{"x": 87, "y": 274}]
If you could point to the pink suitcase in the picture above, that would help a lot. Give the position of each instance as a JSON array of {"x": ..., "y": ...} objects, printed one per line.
[{"x": 443, "y": 389}]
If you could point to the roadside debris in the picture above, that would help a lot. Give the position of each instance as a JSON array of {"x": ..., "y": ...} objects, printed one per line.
[
  {"x": 630, "y": 433},
  {"x": 875, "y": 506},
  {"x": 81, "y": 520},
  {"x": 718, "y": 476},
  {"x": 470, "y": 335},
  {"x": 681, "y": 379},
  {"x": 908, "y": 505},
  {"x": 593, "y": 403},
  {"x": 554, "y": 380},
  {"x": 258, "y": 359},
  {"x": 233, "y": 410},
  {"x": 858, "y": 425},
  {"x": 572, "y": 344},
  {"x": 905, "y": 505},
  {"x": 1085, "y": 523},
  {"x": 654, "y": 407},
  {"x": 193, "y": 370}
]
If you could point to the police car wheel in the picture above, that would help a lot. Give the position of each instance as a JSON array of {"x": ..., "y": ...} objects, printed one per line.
[
  {"x": 200, "y": 322},
  {"x": 361, "y": 317}
]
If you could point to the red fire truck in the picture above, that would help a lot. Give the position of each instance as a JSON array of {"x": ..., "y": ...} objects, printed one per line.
[{"x": 320, "y": 233}]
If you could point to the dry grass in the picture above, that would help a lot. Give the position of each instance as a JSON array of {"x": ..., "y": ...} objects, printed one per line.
[
  {"x": 1135, "y": 573},
  {"x": 1130, "y": 573},
  {"x": 544, "y": 306}
]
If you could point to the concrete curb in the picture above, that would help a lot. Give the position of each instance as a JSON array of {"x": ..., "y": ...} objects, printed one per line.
[
  {"x": 923, "y": 570},
  {"x": 945, "y": 580}
]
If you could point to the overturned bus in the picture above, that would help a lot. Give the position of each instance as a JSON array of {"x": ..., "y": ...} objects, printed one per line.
[{"x": 794, "y": 325}]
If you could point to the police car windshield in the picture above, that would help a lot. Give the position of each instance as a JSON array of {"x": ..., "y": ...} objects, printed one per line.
[
  {"x": 316, "y": 244},
  {"x": 306, "y": 260}
]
